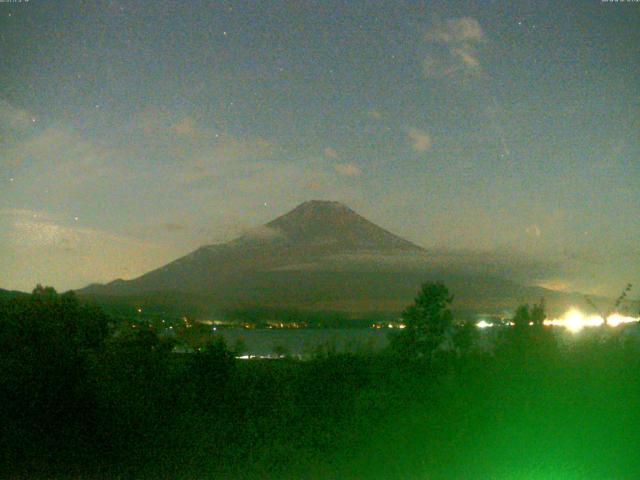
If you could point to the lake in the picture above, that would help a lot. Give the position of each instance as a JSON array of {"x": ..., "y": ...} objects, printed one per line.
[{"x": 303, "y": 342}]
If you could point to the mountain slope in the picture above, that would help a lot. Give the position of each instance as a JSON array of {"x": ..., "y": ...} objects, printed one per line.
[
  {"x": 320, "y": 255},
  {"x": 315, "y": 235},
  {"x": 335, "y": 226}
]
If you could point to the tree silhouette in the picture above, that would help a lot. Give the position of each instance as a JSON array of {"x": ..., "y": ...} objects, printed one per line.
[
  {"x": 426, "y": 321},
  {"x": 538, "y": 313},
  {"x": 48, "y": 346},
  {"x": 527, "y": 337},
  {"x": 522, "y": 317},
  {"x": 614, "y": 307},
  {"x": 526, "y": 316},
  {"x": 212, "y": 367},
  {"x": 464, "y": 336}
]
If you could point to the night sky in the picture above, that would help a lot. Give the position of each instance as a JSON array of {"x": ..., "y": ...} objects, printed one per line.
[{"x": 132, "y": 132}]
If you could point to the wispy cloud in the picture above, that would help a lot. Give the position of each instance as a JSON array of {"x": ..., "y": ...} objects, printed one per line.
[
  {"x": 185, "y": 127},
  {"x": 343, "y": 169},
  {"x": 348, "y": 169},
  {"x": 331, "y": 153},
  {"x": 66, "y": 157},
  {"x": 41, "y": 247},
  {"x": 36, "y": 228},
  {"x": 533, "y": 230},
  {"x": 14, "y": 119},
  {"x": 262, "y": 232},
  {"x": 55, "y": 154},
  {"x": 456, "y": 31},
  {"x": 190, "y": 150},
  {"x": 146, "y": 192},
  {"x": 173, "y": 227},
  {"x": 420, "y": 140},
  {"x": 451, "y": 48}
]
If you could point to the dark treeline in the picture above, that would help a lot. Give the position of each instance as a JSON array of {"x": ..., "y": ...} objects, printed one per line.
[
  {"x": 79, "y": 401},
  {"x": 261, "y": 316}
]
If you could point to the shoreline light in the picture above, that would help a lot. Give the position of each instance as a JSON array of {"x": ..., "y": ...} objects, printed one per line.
[
  {"x": 484, "y": 324},
  {"x": 574, "y": 320}
]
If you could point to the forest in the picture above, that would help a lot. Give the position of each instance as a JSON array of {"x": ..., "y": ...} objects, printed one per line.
[{"x": 83, "y": 398}]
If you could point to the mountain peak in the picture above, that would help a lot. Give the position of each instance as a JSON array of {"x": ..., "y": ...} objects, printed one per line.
[
  {"x": 318, "y": 235},
  {"x": 321, "y": 204},
  {"x": 325, "y": 222}
]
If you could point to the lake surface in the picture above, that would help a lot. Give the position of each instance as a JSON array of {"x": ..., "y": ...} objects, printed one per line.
[{"x": 304, "y": 342}]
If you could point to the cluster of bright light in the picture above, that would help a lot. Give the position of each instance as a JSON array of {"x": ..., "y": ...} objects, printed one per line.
[
  {"x": 574, "y": 321},
  {"x": 616, "y": 319}
]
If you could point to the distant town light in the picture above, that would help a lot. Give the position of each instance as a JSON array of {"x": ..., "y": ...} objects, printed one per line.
[
  {"x": 574, "y": 320},
  {"x": 616, "y": 319},
  {"x": 483, "y": 324}
]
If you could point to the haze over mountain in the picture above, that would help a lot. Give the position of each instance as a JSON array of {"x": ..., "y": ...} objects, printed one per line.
[
  {"x": 323, "y": 255},
  {"x": 459, "y": 126}
]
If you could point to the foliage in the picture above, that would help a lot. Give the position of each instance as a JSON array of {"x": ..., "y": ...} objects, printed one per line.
[
  {"x": 87, "y": 406},
  {"x": 538, "y": 313},
  {"x": 528, "y": 340},
  {"x": 522, "y": 317},
  {"x": 280, "y": 351},
  {"x": 214, "y": 363},
  {"x": 48, "y": 346},
  {"x": 426, "y": 321},
  {"x": 465, "y": 335},
  {"x": 239, "y": 347},
  {"x": 615, "y": 306},
  {"x": 45, "y": 322},
  {"x": 526, "y": 316},
  {"x": 211, "y": 369}
]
